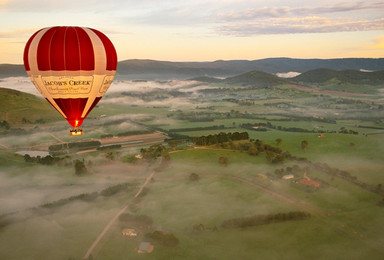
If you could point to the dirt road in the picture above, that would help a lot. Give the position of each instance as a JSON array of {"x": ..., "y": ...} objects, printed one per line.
[{"x": 112, "y": 221}]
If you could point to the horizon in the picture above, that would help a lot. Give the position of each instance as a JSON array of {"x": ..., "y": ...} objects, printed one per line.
[
  {"x": 203, "y": 31},
  {"x": 224, "y": 60}
]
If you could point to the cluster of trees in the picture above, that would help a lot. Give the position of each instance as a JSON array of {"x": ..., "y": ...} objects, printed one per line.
[
  {"x": 112, "y": 190},
  {"x": 343, "y": 130},
  {"x": 88, "y": 196},
  {"x": 37, "y": 121},
  {"x": 295, "y": 169},
  {"x": 155, "y": 151},
  {"x": 220, "y": 138},
  {"x": 4, "y": 124},
  {"x": 161, "y": 238},
  {"x": 83, "y": 197},
  {"x": 264, "y": 219},
  {"x": 47, "y": 160},
  {"x": 80, "y": 167},
  {"x": 254, "y": 147}
]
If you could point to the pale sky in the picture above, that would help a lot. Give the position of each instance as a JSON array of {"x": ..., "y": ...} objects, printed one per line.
[{"x": 196, "y": 30}]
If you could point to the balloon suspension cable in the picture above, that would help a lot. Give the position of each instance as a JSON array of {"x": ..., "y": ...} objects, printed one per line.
[{"x": 76, "y": 132}]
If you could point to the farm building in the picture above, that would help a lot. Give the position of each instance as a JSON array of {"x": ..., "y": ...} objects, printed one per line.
[
  {"x": 261, "y": 176},
  {"x": 129, "y": 232},
  {"x": 309, "y": 182},
  {"x": 145, "y": 247},
  {"x": 288, "y": 177}
]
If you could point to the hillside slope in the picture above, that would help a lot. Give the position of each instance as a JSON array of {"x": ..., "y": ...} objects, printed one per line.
[
  {"x": 256, "y": 79},
  {"x": 321, "y": 76},
  {"x": 19, "y": 107}
]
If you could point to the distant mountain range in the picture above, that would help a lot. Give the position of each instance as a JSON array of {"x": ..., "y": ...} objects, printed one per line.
[
  {"x": 162, "y": 70},
  {"x": 166, "y": 70},
  {"x": 261, "y": 79}
]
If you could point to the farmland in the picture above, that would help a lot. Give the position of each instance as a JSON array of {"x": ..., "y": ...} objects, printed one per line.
[{"x": 196, "y": 188}]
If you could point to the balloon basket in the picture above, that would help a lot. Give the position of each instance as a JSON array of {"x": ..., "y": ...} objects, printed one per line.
[{"x": 76, "y": 132}]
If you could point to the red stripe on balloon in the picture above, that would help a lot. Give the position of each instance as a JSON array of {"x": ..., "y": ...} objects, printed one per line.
[
  {"x": 71, "y": 50},
  {"x": 57, "y": 49},
  {"x": 73, "y": 109},
  {"x": 87, "y": 57},
  {"x": 43, "y": 50}
]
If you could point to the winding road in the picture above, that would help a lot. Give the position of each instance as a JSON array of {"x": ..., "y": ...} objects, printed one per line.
[{"x": 110, "y": 223}]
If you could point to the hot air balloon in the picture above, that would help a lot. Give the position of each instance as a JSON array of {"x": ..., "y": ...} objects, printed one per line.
[{"x": 72, "y": 67}]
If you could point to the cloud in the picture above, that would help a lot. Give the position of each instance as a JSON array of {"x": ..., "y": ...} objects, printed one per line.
[
  {"x": 289, "y": 74},
  {"x": 284, "y": 11},
  {"x": 305, "y": 19},
  {"x": 299, "y": 25}
]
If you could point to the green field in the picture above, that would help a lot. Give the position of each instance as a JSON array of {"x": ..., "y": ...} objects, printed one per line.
[{"x": 346, "y": 216}]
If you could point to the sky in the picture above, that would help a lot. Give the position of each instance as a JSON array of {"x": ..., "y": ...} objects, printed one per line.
[{"x": 197, "y": 30}]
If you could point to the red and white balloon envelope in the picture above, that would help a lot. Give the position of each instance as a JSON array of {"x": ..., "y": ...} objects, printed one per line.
[{"x": 72, "y": 67}]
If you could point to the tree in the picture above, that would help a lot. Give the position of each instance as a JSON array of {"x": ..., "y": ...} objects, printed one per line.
[
  {"x": 4, "y": 124},
  {"x": 253, "y": 150},
  {"x": 304, "y": 145},
  {"x": 162, "y": 238},
  {"x": 223, "y": 160},
  {"x": 173, "y": 144},
  {"x": 278, "y": 142},
  {"x": 80, "y": 167},
  {"x": 194, "y": 177}
]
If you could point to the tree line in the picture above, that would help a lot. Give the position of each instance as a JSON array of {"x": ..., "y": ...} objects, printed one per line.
[
  {"x": 48, "y": 160},
  {"x": 219, "y": 138},
  {"x": 258, "y": 220},
  {"x": 107, "y": 192}
]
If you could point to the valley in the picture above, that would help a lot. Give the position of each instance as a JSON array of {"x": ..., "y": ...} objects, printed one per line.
[{"x": 304, "y": 182}]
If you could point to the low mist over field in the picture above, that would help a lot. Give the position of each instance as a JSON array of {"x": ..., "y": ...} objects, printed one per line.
[{"x": 284, "y": 165}]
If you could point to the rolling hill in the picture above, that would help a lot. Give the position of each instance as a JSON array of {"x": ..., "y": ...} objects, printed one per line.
[
  {"x": 165, "y": 70},
  {"x": 255, "y": 79},
  {"x": 322, "y": 76},
  {"x": 18, "y": 107},
  {"x": 347, "y": 80}
]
